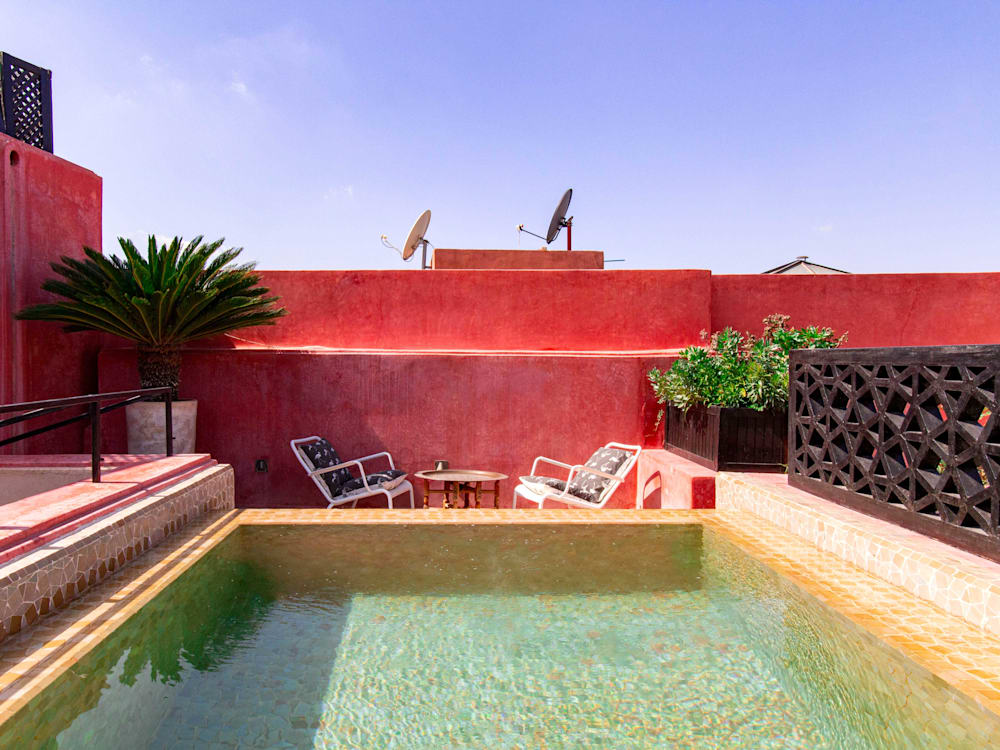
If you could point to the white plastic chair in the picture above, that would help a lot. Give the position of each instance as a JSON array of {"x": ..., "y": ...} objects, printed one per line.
[
  {"x": 361, "y": 493},
  {"x": 540, "y": 494}
]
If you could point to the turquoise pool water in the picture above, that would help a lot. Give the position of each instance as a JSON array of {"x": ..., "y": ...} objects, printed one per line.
[{"x": 492, "y": 636}]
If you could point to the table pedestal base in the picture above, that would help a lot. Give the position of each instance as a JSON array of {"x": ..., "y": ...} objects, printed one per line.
[{"x": 454, "y": 493}]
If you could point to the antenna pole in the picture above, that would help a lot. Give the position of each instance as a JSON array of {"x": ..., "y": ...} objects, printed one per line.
[
  {"x": 423, "y": 260},
  {"x": 522, "y": 229},
  {"x": 569, "y": 234}
]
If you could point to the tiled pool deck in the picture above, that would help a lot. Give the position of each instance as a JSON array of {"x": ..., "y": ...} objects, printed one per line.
[
  {"x": 964, "y": 656},
  {"x": 958, "y": 582}
]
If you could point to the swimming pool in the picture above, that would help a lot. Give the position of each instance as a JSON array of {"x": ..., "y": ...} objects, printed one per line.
[{"x": 501, "y": 635}]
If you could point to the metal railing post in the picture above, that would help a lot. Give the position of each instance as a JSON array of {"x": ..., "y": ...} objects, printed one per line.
[
  {"x": 93, "y": 410},
  {"x": 95, "y": 441},
  {"x": 169, "y": 424}
]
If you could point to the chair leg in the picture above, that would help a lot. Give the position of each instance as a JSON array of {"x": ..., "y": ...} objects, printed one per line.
[
  {"x": 389, "y": 496},
  {"x": 514, "y": 504},
  {"x": 411, "y": 498}
]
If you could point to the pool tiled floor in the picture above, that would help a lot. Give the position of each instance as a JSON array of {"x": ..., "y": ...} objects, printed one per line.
[{"x": 961, "y": 654}]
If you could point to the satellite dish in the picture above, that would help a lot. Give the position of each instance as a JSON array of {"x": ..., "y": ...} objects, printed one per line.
[
  {"x": 414, "y": 239},
  {"x": 416, "y": 235},
  {"x": 559, "y": 220},
  {"x": 559, "y": 217}
]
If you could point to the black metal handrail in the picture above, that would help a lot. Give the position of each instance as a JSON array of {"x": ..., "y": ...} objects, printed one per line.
[{"x": 31, "y": 409}]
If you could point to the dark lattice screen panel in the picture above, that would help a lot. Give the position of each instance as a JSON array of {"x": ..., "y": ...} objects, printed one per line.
[
  {"x": 911, "y": 435},
  {"x": 26, "y": 101}
]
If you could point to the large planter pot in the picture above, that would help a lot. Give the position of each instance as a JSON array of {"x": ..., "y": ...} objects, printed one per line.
[
  {"x": 729, "y": 439},
  {"x": 147, "y": 426}
]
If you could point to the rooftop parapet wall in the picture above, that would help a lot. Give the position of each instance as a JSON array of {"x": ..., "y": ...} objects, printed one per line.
[
  {"x": 575, "y": 311},
  {"x": 914, "y": 309},
  {"x": 614, "y": 311},
  {"x": 48, "y": 207}
]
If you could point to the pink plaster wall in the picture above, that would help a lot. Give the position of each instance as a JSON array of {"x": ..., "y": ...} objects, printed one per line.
[
  {"x": 48, "y": 207},
  {"x": 479, "y": 411}
]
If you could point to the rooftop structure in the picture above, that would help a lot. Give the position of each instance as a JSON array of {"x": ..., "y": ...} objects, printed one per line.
[
  {"x": 516, "y": 259},
  {"x": 802, "y": 266}
]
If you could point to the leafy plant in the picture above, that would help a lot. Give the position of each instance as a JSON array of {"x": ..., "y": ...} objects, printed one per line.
[
  {"x": 161, "y": 301},
  {"x": 738, "y": 369}
]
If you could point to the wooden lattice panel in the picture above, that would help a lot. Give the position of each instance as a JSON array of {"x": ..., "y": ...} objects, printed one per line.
[
  {"x": 912, "y": 435},
  {"x": 26, "y": 101}
]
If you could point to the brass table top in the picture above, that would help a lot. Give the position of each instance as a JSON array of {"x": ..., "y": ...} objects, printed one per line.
[{"x": 466, "y": 476}]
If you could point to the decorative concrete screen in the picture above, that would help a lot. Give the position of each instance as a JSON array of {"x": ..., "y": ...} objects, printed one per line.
[
  {"x": 26, "y": 102},
  {"x": 911, "y": 435}
]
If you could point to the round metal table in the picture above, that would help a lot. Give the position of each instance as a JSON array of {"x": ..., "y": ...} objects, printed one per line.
[{"x": 461, "y": 483}]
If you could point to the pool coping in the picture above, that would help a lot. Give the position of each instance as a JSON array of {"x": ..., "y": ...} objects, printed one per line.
[{"x": 962, "y": 655}]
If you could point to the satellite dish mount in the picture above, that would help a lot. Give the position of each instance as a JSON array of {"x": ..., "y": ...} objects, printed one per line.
[
  {"x": 413, "y": 239},
  {"x": 559, "y": 220}
]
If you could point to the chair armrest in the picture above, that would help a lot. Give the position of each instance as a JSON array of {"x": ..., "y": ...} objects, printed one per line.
[
  {"x": 580, "y": 468},
  {"x": 344, "y": 465},
  {"x": 534, "y": 466},
  {"x": 634, "y": 449},
  {"x": 376, "y": 455}
]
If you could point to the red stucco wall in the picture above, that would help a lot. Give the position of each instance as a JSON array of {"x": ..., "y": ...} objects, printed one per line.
[
  {"x": 516, "y": 380},
  {"x": 479, "y": 411},
  {"x": 876, "y": 310},
  {"x": 48, "y": 207},
  {"x": 489, "y": 310},
  {"x": 516, "y": 259}
]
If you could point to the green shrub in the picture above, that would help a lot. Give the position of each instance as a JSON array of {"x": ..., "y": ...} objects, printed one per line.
[{"x": 739, "y": 369}]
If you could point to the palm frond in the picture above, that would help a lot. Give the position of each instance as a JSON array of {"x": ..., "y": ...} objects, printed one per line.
[{"x": 175, "y": 293}]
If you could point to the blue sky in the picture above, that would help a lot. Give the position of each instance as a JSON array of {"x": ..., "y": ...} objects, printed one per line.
[{"x": 731, "y": 136}]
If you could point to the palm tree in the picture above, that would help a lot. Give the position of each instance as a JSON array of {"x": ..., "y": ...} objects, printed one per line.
[{"x": 161, "y": 301}]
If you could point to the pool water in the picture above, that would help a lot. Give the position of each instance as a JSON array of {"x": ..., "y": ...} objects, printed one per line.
[{"x": 502, "y": 636}]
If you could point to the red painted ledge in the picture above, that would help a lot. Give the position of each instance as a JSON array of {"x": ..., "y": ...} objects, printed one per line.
[
  {"x": 32, "y": 521},
  {"x": 109, "y": 461}
]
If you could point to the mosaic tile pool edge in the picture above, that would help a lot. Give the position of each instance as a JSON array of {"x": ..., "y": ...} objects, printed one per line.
[
  {"x": 956, "y": 581},
  {"x": 52, "y": 576}
]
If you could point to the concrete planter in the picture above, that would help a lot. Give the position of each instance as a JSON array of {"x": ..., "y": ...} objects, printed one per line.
[{"x": 147, "y": 426}]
